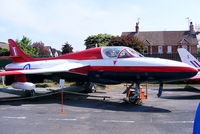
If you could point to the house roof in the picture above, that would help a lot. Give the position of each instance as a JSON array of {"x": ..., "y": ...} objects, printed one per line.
[
  {"x": 166, "y": 37},
  {"x": 4, "y": 45}
]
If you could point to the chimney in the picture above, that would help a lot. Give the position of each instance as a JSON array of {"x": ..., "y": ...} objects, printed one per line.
[
  {"x": 137, "y": 27},
  {"x": 191, "y": 27}
]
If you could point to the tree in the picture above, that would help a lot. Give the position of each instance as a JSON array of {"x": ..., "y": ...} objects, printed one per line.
[
  {"x": 128, "y": 41},
  {"x": 67, "y": 48},
  {"x": 43, "y": 51},
  {"x": 198, "y": 51},
  {"x": 25, "y": 45},
  {"x": 97, "y": 40},
  {"x": 4, "y": 52}
]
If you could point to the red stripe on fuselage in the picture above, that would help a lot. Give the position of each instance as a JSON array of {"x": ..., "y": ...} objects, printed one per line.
[
  {"x": 133, "y": 69},
  {"x": 10, "y": 73},
  {"x": 84, "y": 70}
]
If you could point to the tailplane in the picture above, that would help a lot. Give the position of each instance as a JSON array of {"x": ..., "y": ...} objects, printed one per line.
[
  {"x": 16, "y": 54},
  {"x": 188, "y": 58}
]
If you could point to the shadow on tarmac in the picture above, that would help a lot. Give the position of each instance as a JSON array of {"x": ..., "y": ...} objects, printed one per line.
[
  {"x": 11, "y": 91},
  {"x": 185, "y": 97},
  {"x": 188, "y": 97},
  {"x": 186, "y": 88},
  {"x": 85, "y": 102}
]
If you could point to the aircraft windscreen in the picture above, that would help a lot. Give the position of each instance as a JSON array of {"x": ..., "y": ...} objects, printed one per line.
[
  {"x": 120, "y": 52},
  {"x": 134, "y": 53},
  {"x": 111, "y": 51},
  {"x": 124, "y": 54}
]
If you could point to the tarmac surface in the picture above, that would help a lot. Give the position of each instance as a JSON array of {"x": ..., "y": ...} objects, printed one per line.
[{"x": 173, "y": 113}]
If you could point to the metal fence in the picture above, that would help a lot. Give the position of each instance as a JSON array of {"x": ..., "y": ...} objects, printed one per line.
[{"x": 173, "y": 56}]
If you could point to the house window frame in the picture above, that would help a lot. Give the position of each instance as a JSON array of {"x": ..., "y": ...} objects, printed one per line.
[
  {"x": 160, "y": 49},
  {"x": 169, "y": 49}
]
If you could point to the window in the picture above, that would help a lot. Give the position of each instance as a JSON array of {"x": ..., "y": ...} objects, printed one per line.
[
  {"x": 160, "y": 49},
  {"x": 184, "y": 46},
  {"x": 169, "y": 49}
]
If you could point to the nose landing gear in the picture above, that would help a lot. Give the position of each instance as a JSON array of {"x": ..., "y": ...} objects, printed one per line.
[{"x": 134, "y": 94}]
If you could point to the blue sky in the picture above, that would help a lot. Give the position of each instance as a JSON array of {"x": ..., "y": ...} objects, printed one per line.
[{"x": 55, "y": 22}]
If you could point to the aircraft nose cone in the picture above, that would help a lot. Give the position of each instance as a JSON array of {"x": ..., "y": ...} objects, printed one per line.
[
  {"x": 192, "y": 69},
  {"x": 175, "y": 70},
  {"x": 187, "y": 71}
]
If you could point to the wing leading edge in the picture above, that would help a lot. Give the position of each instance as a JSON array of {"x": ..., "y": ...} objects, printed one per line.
[{"x": 69, "y": 67}]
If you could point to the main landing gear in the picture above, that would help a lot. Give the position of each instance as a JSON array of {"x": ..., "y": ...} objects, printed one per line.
[
  {"x": 160, "y": 89},
  {"x": 29, "y": 93},
  {"x": 134, "y": 94},
  {"x": 89, "y": 87}
]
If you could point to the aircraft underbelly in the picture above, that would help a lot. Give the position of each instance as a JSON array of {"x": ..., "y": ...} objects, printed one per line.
[{"x": 139, "y": 76}]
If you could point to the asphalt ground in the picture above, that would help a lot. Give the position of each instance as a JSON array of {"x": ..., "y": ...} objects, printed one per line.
[{"x": 173, "y": 113}]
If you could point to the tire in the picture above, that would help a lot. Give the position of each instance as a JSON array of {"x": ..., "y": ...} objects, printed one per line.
[{"x": 90, "y": 87}]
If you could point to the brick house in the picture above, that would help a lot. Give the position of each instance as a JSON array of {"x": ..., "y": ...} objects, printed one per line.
[
  {"x": 4, "y": 45},
  {"x": 166, "y": 42}
]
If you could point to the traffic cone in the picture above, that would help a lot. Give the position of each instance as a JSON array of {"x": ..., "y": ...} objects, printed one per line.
[{"x": 196, "y": 128}]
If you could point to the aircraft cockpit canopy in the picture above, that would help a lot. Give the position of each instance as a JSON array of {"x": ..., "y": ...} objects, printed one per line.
[{"x": 119, "y": 52}]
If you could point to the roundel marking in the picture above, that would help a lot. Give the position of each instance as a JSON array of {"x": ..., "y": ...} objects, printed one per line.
[{"x": 27, "y": 67}]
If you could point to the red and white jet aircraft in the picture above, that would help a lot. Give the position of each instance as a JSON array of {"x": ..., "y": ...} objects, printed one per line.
[{"x": 106, "y": 65}]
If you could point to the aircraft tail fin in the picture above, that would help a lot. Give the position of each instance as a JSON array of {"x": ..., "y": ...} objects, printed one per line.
[
  {"x": 16, "y": 54},
  {"x": 188, "y": 58}
]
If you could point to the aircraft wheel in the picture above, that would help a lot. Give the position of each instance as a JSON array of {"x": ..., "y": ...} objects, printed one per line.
[
  {"x": 134, "y": 99},
  {"x": 29, "y": 93},
  {"x": 90, "y": 87}
]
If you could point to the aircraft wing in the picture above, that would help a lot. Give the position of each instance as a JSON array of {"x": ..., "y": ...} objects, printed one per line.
[{"x": 69, "y": 67}]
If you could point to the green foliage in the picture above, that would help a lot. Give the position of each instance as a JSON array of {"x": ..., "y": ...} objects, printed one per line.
[
  {"x": 198, "y": 51},
  {"x": 25, "y": 45},
  {"x": 67, "y": 48},
  {"x": 128, "y": 41},
  {"x": 4, "y": 52},
  {"x": 98, "y": 40}
]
